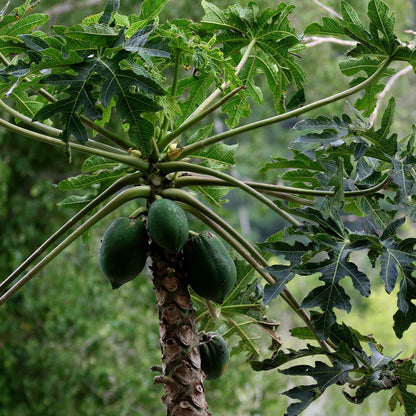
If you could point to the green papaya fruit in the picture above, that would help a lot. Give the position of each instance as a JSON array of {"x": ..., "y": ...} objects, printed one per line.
[
  {"x": 168, "y": 225},
  {"x": 215, "y": 355},
  {"x": 211, "y": 270},
  {"x": 122, "y": 254}
]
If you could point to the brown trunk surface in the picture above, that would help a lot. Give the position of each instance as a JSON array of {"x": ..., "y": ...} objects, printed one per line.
[{"x": 181, "y": 364}]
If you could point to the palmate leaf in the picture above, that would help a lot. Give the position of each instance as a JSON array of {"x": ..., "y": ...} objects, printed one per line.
[
  {"x": 377, "y": 39},
  {"x": 138, "y": 43},
  {"x": 332, "y": 132},
  {"x": 94, "y": 163},
  {"x": 353, "y": 66},
  {"x": 374, "y": 45},
  {"x": 275, "y": 41},
  {"x": 197, "y": 88},
  {"x": 83, "y": 181},
  {"x": 325, "y": 375},
  {"x": 401, "y": 396},
  {"x": 93, "y": 35},
  {"x": 26, "y": 103},
  {"x": 219, "y": 155},
  {"x": 150, "y": 9},
  {"x": 13, "y": 26},
  {"x": 299, "y": 161},
  {"x": 293, "y": 253},
  {"x": 280, "y": 358},
  {"x": 111, "y": 7},
  {"x": 77, "y": 202},
  {"x": 77, "y": 96},
  {"x": 398, "y": 259},
  {"x": 369, "y": 206},
  {"x": 215, "y": 195},
  {"x": 329, "y": 239}
]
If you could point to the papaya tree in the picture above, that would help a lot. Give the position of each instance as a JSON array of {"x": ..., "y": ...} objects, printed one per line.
[{"x": 141, "y": 97}]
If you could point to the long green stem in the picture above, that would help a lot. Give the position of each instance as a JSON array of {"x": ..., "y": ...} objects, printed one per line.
[
  {"x": 188, "y": 150},
  {"x": 277, "y": 190},
  {"x": 168, "y": 167},
  {"x": 116, "y": 186},
  {"x": 27, "y": 120},
  {"x": 202, "y": 180},
  {"x": 188, "y": 124},
  {"x": 116, "y": 202},
  {"x": 52, "y": 131},
  {"x": 217, "y": 92},
  {"x": 128, "y": 160}
]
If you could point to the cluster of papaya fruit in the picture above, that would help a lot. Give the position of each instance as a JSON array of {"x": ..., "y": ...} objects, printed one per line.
[{"x": 211, "y": 271}]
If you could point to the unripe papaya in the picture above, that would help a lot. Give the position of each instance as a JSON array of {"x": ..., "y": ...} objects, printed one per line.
[
  {"x": 215, "y": 355},
  {"x": 122, "y": 254},
  {"x": 211, "y": 270},
  {"x": 168, "y": 225}
]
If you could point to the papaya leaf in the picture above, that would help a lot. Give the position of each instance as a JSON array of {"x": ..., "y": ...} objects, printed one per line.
[
  {"x": 382, "y": 136},
  {"x": 299, "y": 161},
  {"x": 80, "y": 96},
  {"x": 283, "y": 275},
  {"x": 408, "y": 401},
  {"x": 382, "y": 23},
  {"x": 77, "y": 202},
  {"x": 332, "y": 132},
  {"x": 93, "y": 35},
  {"x": 150, "y": 9},
  {"x": 293, "y": 253},
  {"x": 325, "y": 375},
  {"x": 275, "y": 41},
  {"x": 329, "y": 27},
  {"x": 219, "y": 156},
  {"x": 369, "y": 206},
  {"x": 328, "y": 255},
  {"x": 86, "y": 181},
  {"x": 404, "y": 176},
  {"x": 129, "y": 105},
  {"x": 111, "y": 7},
  {"x": 94, "y": 163},
  {"x": 215, "y": 195},
  {"x": 138, "y": 42},
  {"x": 280, "y": 358},
  {"x": 26, "y": 103},
  {"x": 398, "y": 260},
  {"x": 236, "y": 108},
  {"x": 197, "y": 88}
]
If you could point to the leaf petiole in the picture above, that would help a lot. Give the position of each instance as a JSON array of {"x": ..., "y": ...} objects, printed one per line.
[
  {"x": 136, "y": 162},
  {"x": 188, "y": 150},
  {"x": 168, "y": 167}
]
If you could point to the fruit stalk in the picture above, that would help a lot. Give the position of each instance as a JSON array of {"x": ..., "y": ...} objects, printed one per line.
[{"x": 181, "y": 363}]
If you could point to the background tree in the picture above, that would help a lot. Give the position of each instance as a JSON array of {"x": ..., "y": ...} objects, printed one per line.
[{"x": 340, "y": 154}]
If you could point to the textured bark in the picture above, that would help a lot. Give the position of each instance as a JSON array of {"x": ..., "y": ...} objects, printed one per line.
[{"x": 181, "y": 364}]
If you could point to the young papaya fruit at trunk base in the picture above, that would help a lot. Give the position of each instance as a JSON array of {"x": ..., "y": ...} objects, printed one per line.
[
  {"x": 167, "y": 224},
  {"x": 122, "y": 254},
  {"x": 211, "y": 270},
  {"x": 215, "y": 355}
]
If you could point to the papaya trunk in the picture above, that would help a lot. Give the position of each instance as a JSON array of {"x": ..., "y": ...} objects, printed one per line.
[{"x": 181, "y": 364}]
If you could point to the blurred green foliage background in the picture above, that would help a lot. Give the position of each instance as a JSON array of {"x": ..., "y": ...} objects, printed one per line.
[{"x": 70, "y": 345}]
